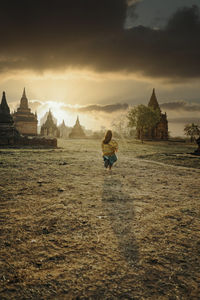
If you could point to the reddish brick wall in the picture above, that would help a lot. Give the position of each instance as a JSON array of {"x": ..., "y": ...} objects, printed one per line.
[
  {"x": 29, "y": 128},
  {"x": 28, "y": 141}
]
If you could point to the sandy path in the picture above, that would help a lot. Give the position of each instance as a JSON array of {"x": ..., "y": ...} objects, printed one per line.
[{"x": 69, "y": 229}]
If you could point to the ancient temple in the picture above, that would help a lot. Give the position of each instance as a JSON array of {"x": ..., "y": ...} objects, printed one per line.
[
  {"x": 64, "y": 130},
  {"x": 25, "y": 121},
  {"x": 77, "y": 131},
  {"x": 49, "y": 128},
  {"x": 160, "y": 131},
  {"x": 8, "y": 132}
]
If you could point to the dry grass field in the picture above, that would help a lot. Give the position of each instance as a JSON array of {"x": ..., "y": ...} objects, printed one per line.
[{"x": 71, "y": 230}]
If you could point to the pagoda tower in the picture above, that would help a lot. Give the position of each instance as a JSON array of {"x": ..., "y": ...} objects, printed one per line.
[
  {"x": 25, "y": 121},
  {"x": 8, "y": 132},
  {"x": 49, "y": 128},
  {"x": 77, "y": 131},
  {"x": 64, "y": 130},
  {"x": 160, "y": 131},
  {"x": 153, "y": 102}
]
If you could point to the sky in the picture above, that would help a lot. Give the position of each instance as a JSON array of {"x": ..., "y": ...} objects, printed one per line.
[{"x": 98, "y": 58}]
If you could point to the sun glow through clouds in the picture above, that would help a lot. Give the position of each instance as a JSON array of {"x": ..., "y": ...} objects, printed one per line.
[{"x": 59, "y": 110}]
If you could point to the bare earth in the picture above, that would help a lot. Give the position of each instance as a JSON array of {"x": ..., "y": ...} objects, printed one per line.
[{"x": 71, "y": 230}]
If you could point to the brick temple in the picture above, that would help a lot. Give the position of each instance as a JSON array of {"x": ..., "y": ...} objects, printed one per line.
[
  {"x": 8, "y": 133},
  {"x": 49, "y": 128},
  {"x": 64, "y": 130},
  {"x": 25, "y": 121},
  {"x": 77, "y": 131},
  {"x": 160, "y": 131}
]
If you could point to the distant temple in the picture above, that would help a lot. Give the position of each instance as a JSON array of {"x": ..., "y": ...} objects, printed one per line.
[
  {"x": 49, "y": 128},
  {"x": 8, "y": 132},
  {"x": 64, "y": 130},
  {"x": 77, "y": 131},
  {"x": 25, "y": 121},
  {"x": 160, "y": 131}
]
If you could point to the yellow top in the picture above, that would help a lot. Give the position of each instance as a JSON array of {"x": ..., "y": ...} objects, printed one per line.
[{"x": 110, "y": 148}]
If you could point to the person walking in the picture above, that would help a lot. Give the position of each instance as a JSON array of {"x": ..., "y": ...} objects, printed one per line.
[{"x": 109, "y": 148}]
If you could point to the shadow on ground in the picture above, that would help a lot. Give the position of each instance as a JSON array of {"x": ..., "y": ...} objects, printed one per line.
[{"x": 119, "y": 208}]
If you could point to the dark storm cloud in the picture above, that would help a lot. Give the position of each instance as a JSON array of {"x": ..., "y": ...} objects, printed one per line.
[
  {"x": 181, "y": 106},
  {"x": 104, "y": 108},
  {"x": 59, "y": 34},
  {"x": 99, "y": 108}
]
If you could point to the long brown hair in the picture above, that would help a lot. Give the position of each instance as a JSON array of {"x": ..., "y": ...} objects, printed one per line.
[{"x": 108, "y": 137}]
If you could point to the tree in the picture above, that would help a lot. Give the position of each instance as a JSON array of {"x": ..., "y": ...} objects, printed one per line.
[
  {"x": 119, "y": 126},
  {"x": 193, "y": 131},
  {"x": 143, "y": 118}
]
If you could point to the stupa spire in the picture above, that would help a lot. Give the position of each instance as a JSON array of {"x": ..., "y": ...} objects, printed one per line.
[
  {"x": 77, "y": 121},
  {"x": 5, "y": 116},
  {"x": 49, "y": 116},
  {"x": 24, "y": 101},
  {"x": 153, "y": 102},
  {"x": 24, "y": 93},
  {"x": 4, "y": 106}
]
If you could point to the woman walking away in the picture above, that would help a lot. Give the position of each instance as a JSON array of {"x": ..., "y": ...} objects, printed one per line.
[{"x": 109, "y": 147}]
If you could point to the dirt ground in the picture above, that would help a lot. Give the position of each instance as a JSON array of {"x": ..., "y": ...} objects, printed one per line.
[{"x": 71, "y": 230}]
